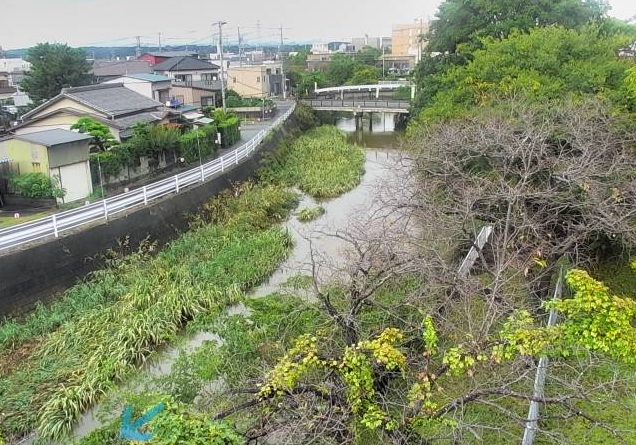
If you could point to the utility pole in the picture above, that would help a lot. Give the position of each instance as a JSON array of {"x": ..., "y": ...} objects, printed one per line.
[
  {"x": 160, "y": 49},
  {"x": 240, "y": 46},
  {"x": 282, "y": 63},
  {"x": 220, "y": 24},
  {"x": 138, "y": 51}
]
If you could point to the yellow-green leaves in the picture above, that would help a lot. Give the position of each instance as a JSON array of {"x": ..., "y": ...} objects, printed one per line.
[
  {"x": 430, "y": 337},
  {"x": 597, "y": 320}
]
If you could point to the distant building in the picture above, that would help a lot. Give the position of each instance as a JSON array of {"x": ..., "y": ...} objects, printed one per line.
[
  {"x": 59, "y": 154},
  {"x": 318, "y": 62},
  {"x": 153, "y": 86},
  {"x": 6, "y": 90},
  {"x": 188, "y": 69},
  {"x": 256, "y": 80},
  {"x": 118, "y": 107},
  {"x": 155, "y": 58},
  {"x": 407, "y": 39},
  {"x": 106, "y": 70}
]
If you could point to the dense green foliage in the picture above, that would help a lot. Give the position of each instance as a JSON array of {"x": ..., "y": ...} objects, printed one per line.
[
  {"x": 54, "y": 66},
  {"x": 102, "y": 137},
  {"x": 198, "y": 144},
  {"x": 460, "y": 22},
  {"x": 154, "y": 141},
  {"x": 321, "y": 163},
  {"x": 37, "y": 186},
  {"x": 228, "y": 124},
  {"x": 544, "y": 65}
]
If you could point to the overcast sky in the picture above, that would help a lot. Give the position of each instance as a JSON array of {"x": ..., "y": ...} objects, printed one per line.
[{"x": 116, "y": 22}]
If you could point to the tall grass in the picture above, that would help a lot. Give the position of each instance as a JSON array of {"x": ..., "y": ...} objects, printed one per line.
[
  {"x": 201, "y": 273},
  {"x": 321, "y": 163}
]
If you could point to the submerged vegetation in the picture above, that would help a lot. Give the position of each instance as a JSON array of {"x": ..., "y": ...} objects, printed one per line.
[
  {"x": 321, "y": 163},
  {"x": 310, "y": 214}
]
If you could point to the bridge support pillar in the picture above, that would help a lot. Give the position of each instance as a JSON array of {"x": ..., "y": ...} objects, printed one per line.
[
  {"x": 358, "y": 118},
  {"x": 370, "y": 122}
]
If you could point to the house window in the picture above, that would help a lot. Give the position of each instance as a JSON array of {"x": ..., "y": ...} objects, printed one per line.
[
  {"x": 208, "y": 77},
  {"x": 207, "y": 101},
  {"x": 258, "y": 79},
  {"x": 37, "y": 167},
  {"x": 269, "y": 71},
  {"x": 234, "y": 79}
]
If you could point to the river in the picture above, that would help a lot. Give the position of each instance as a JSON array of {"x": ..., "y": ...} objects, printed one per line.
[{"x": 342, "y": 215}]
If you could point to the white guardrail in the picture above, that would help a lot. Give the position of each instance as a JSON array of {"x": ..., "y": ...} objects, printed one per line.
[{"x": 57, "y": 224}]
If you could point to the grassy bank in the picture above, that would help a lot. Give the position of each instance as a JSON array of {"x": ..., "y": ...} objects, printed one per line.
[
  {"x": 201, "y": 273},
  {"x": 321, "y": 163}
]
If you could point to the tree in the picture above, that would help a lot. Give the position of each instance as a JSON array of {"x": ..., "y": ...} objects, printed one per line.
[
  {"x": 103, "y": 139},
  {"x": 544, "y": 64},
  {"x": 340, "y": 69},
  {"x": 368, "y": 56},
  {"x": 54, "y": 66},
  {"x": 460, "y": 22},
  {"x": 365, "y": 75}
]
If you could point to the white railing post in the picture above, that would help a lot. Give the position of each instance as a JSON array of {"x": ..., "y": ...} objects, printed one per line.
[
  {"x": 222, "y": 165},
  {"x": 202, "y": 174},
  {"x": 54, "y": 219},
  {"x": 176, "y": 183},
  {"x": 105, "y": 209},
  {"x": 236, "y": 156},
  {"x": 145, "y": 195}
]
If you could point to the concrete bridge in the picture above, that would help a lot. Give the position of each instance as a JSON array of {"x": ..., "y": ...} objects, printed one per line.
[{"x": 359, "y": 106}]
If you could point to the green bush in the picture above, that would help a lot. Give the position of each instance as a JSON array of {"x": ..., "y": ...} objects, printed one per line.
[
  {"x": 37, "y": 186},
  {"x": 228, "y": 125},
  {"x": 197, "y": 143}
]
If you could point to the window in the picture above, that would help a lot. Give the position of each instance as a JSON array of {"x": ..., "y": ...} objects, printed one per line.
[
  {"x": 258, "y": 79},
  {"x": 208, "y": 77},
  {"x": 269, "y": 71},
  {"x": 207, "y": 101},
  {"x": 36, "y": 166}
]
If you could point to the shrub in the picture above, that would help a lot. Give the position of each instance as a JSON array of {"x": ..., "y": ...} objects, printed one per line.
[
  {"x": 197, "y": 143},
  {"x": 308, "y": 215},
  {"x": 37, "y": 186},
  {"x": 228, "y": 125}
]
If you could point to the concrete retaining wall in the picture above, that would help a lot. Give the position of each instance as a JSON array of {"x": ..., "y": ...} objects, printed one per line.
[{"x": 42, "y": 272}]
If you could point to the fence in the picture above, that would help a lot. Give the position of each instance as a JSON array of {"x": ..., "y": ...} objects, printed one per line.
[
  {"x": 60, "y": 223},
  {"x": 362, "y": 104}
]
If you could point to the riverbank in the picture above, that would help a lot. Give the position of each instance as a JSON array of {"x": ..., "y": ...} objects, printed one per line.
[{"x": 55, "y": 370}]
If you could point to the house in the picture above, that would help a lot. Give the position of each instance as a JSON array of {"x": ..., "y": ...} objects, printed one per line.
[
  {"x": 116, "y": 106},
  {"x": 196, "y": 94},
  {"x": 318, "y": 62},
  {"x": 256, "y": 80},
  {"x": 188, "y": 69},
  {"x": 154, "y": 86},
  {"x": 156, "y": 58},
  {"x": 6, "y": 90},
  {"x": 106, "y": 70},
  {"x": 60, "y": 154}
]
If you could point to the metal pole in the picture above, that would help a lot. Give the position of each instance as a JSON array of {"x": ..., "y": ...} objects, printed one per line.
[
  {"x": 176, "y": 182},
  {"x": 200, "y": 159},
  {"x": 101, "y": 181},
  {"x": 532, "y": 424},
  {"x": 145, "y": 190},
  {"x": 222, "y": 62},
  {"x": 282, "y": 64}
]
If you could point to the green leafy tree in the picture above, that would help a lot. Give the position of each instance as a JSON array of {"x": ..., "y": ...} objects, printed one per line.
[
  {"x": 54, "y": 66},
  {"x": 466, "y": 22},
  {"x": 545, "y": 64},
  {"x": 102, "y": 137},
  {"x": 365, "y": 75},
  {"x": 368, "y": 56},
  {"x": 341, "y": 69}
]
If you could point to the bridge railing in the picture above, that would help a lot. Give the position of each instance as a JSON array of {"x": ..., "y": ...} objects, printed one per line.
[
  {"x": 63, "y": 222},
  {"x": 362, "y": 104}
]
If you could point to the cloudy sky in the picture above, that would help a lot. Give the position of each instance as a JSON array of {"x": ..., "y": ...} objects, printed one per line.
[{"x": 116, "y": 22}]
